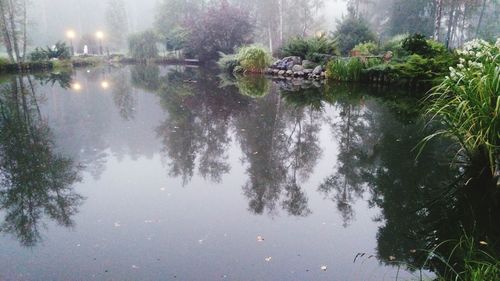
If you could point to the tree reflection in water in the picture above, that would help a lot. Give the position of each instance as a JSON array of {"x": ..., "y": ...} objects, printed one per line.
[
  {"x": 34, "y": 180},
  {"x": 278, "y": 135},
  {"x": 279, "y": 141}
]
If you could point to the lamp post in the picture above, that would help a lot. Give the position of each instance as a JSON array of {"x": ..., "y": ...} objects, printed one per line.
[
  {"x": 71, "y": 35},
  {"x": 100, "y": 36}
]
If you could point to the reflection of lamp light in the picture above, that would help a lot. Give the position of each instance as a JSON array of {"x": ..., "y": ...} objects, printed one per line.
[
  {"x": 105, "y": 84},
  {"x": 100, "y": 36},
  {"x": 76, "y": 86},
  {"x": 71, "y": 35}
]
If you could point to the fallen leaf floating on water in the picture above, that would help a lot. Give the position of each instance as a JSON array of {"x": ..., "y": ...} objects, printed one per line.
[
  {"x": 135, "y": 266},
  {"x": 268, "y": 259},
  {"x": 323, "y": 267},
  {"x": 117, "y": 224},
  {"x": 413, "y": 251},
  {"x": 162, "y": 189},
  {"x": 260, "y": 238},
  {"x": 255, "y": 153},
  {"x": 391, "y": 258},
  {"x": 483, "y": 242}
]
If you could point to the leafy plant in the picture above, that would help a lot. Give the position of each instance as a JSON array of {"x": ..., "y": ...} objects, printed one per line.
[
  {"x": 395, "y": 45},
  {"x": 345, "y": 70},
  {"x": 366, "y": 49},
  {"x": 351, "y": 31},
  {"x": 38, "y": 55},
  {"x": 417, "y": 44},
  {"x": 310, "y": 49},
  {"x": 59, "y": 51},
  {"x": 254, "y": 58},
  {"x": 468, "y": 101},
  {"x": 228, "y": 62},
  {"x": 472, "y": 262}
]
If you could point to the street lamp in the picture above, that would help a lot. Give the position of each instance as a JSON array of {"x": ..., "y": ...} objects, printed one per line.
[
  {"x": 105, "y": 84},
  {"x": 71, "y": 35},
  {"x": 100, "y": 36}
]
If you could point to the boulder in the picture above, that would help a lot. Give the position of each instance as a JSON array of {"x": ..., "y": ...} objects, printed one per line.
[
  {"x": 297, "y": 68},
  {"x": 275, "y": 71},
  {"x": 281, "y": 72},
  {"x": 308, "y": 71},
  {"x": 317, "y": 70},
  {"x": 289, "y": 72},
  {"x": 308, "y": 64}
]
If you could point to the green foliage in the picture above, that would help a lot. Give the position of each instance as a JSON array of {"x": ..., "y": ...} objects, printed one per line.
[
  {"x": 417, "y": 44},
  {"x": 38, "y": 55},
  {"x": 310, "y": 48},
  {"x": 367, "y": 48},
  {"x": 255, "y": 86},
  {"x": 59, "y": 51},
  {"x": 352, "y": 31},
  {"x": 228, "y": 62},
  {"x": 468, "y": 101},
  {"x": 254, "y": 58},
  {"x": 414, "y": 68},
  {"x": 345, "y": 70},
  {"x": 476, "y": 263},
  {"x": 395, "y": 45},
  {"x": 142, "y": 45}
]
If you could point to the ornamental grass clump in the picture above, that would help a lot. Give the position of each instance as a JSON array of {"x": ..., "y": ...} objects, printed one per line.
[
  {"x": 248, "y": 59},
  {"x": 467, "y": 101},
  {"x": 254, "y": 59}
]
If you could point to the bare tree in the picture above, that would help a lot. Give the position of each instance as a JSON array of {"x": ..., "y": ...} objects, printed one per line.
[{"x": 13, "y": 25}]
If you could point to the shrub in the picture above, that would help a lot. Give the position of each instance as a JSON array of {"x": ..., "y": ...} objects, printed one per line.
[
  {"x": 142, "y": 45},
  {"x": 58, "y": 51},
  {"x": 312, "y": 49},
  {"x": 228, "y": 62},
  {"x": 352, "y": 31},
  {"x": 468, "y": 101},
  {"x": 254, "y": 58},
  {"x": 38, "y": 55},
  {"x": 366, "y": 49},
  {"x": 415, "y": 68},
  {"x": 395, "y": 45},
  {"x": 417, "y": 44}
]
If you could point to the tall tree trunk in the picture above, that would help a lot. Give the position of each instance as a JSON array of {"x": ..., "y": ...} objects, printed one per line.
[
  {"x": 269, "y": 33},
  {"x": 281, "y": 20},
  {"x": 5, "y": 31},
  {"x": 480, "y": 18},
  {"x": 14, "y": 30},
  {"x": 437, "y": 21},
  {"x": 450, "y": 23},
  {"x": 25, "y": 29}
]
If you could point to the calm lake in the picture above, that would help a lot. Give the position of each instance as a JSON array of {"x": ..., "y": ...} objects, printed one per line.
[{"x": 174, "y": 173}]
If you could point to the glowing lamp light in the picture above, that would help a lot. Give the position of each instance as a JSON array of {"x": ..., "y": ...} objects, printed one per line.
[
  {"x": 99, "y": 34},
  {"x": 70, "y": 34},
  {"x": 105, "y": 84},
  {"x": 76, "y": 86}
]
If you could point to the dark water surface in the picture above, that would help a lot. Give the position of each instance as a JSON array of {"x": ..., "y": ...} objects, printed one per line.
[{"x": 166, "y": 173}]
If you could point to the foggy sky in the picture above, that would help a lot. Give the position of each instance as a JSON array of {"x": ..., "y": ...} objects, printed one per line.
[{"x": 50, "y": 19}]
